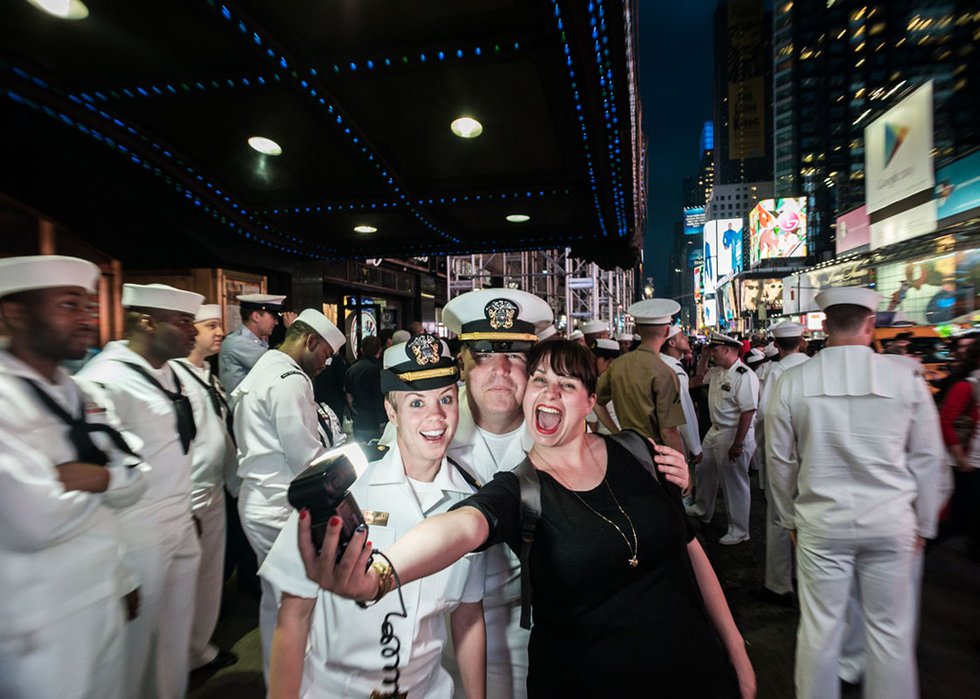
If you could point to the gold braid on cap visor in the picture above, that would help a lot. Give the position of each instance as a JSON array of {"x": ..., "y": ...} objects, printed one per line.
[
  {"x": 410, "y": 376},
  {"x": 529, "y": 337}
]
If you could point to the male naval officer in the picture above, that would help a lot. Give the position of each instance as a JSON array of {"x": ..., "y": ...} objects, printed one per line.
[
  {"x": 672, "y": 352},
  {"x": 163, "y": 550},
  {"x": 212, "y": 456},
  {"x": 244, "y": 345},
  {"x": 733, "y": 395},
  {"x": 64, "y": 473},
  {"x": 778, "y": 588},
  {"x": 279, "y": 431},
  {"x": 855, "y": 466},
  {"x": 645, "y": 390}
]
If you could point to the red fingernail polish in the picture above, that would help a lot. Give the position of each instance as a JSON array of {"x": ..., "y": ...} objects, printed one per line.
[
  {"x": 302, "y": 514},
  {"x": 335, "y": 521},
  {"x": 369, "y": 543}
]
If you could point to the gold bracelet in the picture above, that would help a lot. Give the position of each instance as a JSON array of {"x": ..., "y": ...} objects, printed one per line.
[{"x": 386, "y": 578}]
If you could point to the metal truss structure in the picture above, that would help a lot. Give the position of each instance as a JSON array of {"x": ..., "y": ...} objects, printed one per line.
[{"x": 575, "y": 289}]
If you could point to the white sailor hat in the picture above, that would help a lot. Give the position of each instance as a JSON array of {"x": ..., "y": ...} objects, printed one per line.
[
  {"x": 207, "y": 311},
  {"x": 718, "y": 339},
  {"x": 770, "y": 350},
  {"x": 576, "y": 335},
  {"x": 46, "y": 272},
  {"x": 754, "y": 357},
  {"x": 624, "y": 337},
  {"x": 594, "y": 326},
  {"x": 854, "y": 295},
  {"x": 161, "y": 296},
  {"x": 497, "y": 320},
  {"x": 400, "y": 336},
  {"x": 549, "y": 331},
  {"x": 324, "y": 328},
  {"x": 421, "y": 364},
  {"x": 674, "y": 330},
  {"x": 605, "y": 348},
  {"x": 636, "y": 337},
  {"x": 653, "y": 311},
  {"x": 261, "y": 302},
  {"x": 787, "y": 329}
]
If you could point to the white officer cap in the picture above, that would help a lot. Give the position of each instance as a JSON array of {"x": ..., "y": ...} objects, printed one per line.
[
  {"x": 421, "y": 364},
  {"x": 719, "y": 339},
  {"x": 46, "y": 272},
  {"x": 636, "y": 337},
  {"x": 653, "y": 311},
  {"x": 770, "y": 350},
  {"x": 576, "y": 335},
  {"x": 161, "y": 296},
  {"x": 754, "y": 357},
  {"x": 207, "y": 311},
  {"x": 497, "y": 320},
  {"x": 400, "y": 336},
  {"x": 624, "y": 337},
  {"x": 854, "y": 295},
  {"x": 787, "y": 329},
  {"x": 674, "y": 330},
  {"x": 261, "y": 302},
  {"x": 594, "y": 326},
  {"x": 606, "y": 348},
  {"x": 549, "y": 331},
  {"x": 324, "y": 328}
]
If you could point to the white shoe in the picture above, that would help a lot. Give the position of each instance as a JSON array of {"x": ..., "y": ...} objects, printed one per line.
[{"x": 731, "y": 539}]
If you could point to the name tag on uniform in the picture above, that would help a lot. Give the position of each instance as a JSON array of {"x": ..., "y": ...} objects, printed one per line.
[
  {"x": 378, "y": 519},
  {"x": 726, "y": 387}
]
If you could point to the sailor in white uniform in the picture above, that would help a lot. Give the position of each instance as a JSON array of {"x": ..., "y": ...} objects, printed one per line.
[
  {"x": 244, "y": 345},
  {"x": 64, "y": 472},
  {"x": 605, "y": 351},
  {"x": 325, "y": 645},
  {"x": 855, "y": 470},
  {"x": 152, "y": 403},
  {"x": 213, "y": 454},
  {"x": 733, "y": 394},
  {"x": 279, "y": 432},
  {"x": 673, "y": 350}
]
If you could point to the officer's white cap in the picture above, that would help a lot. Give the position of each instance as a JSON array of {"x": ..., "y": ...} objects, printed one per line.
[
  {"x": 207, "y": 311},
  {"x": 787, "y": 329},
  {"x": 624, "y": 337},
  {"x": 674, "y": 330},
  {"x": 653, "y": 311},
  {"x": 161, "y": 296},
  {"x": 720, "y": 339},
  {"x": 770, "y": 350},
  {"x": 854, "y": 295},
  {"x": 261, "y": 302},
  {"x": 547, "y": 332},
  {"x": 605, "y": 344},
  {"x": 754, "y": 357},
  {"x": 324, "y": 328},
  {"x": 576, "y": 335},
  {"x": 46, "y": 272},
  {"x": 497, "y": 315},
  {"x": 594, "y": 326},
  {"x": 400, "y": 336}
]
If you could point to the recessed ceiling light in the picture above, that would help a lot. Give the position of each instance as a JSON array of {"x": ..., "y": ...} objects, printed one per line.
[
  {"x": 365, "y": 229},
  {"x": 264, "y": 145},
  {"x": 518, "y": 218},
  {"x": 63, "y": 9},
  {"x": 466, "y": 127}
]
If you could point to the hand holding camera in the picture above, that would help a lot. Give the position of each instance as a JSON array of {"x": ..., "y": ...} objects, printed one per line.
[{"x": 351, "y": 574}]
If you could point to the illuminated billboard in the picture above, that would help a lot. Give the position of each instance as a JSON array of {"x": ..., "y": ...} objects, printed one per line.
[
  {"x": 777, "y": 229},
  {"x": 729, "y": 234},
  {"x": 693, "y": 220},
  {"x": 710, "y": 256}
]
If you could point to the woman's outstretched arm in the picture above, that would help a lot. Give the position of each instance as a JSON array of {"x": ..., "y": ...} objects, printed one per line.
[{"x": 427, "y": 548}]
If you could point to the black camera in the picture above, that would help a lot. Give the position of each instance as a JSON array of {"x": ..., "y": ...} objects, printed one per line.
[{"x": 323, "y": 490}]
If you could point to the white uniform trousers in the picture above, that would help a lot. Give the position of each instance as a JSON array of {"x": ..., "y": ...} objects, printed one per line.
[
  {"x": 261, "y": 535},
  {"x": 734, "y": 479},
  {"x": 883, "y": 568},
  {"x": 507, "y": 661},
  {"x": 77, "y": 657},
  {"x": 210, "y": 578},
  {"x": 157, "y": 640},
  {"x": 779, "y": 553}
]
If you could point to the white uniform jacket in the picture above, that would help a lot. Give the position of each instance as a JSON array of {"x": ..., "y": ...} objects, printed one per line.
[
  {"x": 61, "y": 550},
  {"x": 212, "y": 451},
  {"x": 690, "y": 432},
  {"x": 277, "y": 431},
  {"x": 731, "y": 392},
  {"x": 776, "y": 370},
  {"x": 343, "y": 656},
  {"x": 854, "y": 446},
  {"x": 145, "y": 411},
  {"x": 239, "y": 352}
]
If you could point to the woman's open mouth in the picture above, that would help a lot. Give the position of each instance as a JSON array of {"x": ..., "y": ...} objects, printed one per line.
[
  {"x": 547, "y": 419},
  {"x": 433, "y": 436}
]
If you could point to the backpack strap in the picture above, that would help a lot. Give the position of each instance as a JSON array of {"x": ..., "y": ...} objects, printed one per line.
[
  {"x": 527, "y": 479},
  {"x": 639, "y": 448}
]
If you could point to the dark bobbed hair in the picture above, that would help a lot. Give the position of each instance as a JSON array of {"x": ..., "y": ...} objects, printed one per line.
[{"x": 566, "y": 358}]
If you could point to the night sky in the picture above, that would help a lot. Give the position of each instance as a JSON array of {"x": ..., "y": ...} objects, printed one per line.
[{"x": 675, "y": 85}]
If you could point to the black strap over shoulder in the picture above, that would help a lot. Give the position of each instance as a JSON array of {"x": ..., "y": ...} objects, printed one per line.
[
  {"x": 639, "y": 448},
  {"x": 470, "y": 479},
  {"x": 530, "y": 485}
]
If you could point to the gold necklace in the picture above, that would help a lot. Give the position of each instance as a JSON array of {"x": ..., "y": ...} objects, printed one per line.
[{"x": 635, "y": 547}]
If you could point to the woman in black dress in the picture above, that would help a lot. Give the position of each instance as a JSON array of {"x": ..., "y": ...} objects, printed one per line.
[{"x": 624, "y": 598}]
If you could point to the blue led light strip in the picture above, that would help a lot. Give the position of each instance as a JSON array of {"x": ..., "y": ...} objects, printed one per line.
[
  {"x": 433, "y": 56},
  {"x": 178, "y": 88},
  {"x": 311, "y": 86}
]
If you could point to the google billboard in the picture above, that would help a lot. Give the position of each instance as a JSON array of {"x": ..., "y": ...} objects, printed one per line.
[{"x": 777, "y": 229}]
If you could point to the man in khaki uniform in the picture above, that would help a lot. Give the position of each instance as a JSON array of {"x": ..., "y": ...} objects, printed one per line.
[{"x": 644, "y": 388}]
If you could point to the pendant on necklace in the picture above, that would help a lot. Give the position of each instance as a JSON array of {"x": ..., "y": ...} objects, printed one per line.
[{"x": 633, "y": 562}]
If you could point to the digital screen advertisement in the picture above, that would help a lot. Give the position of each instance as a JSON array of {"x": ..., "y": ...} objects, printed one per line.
[
  {"x": 777, "y": 229},
  {"x": 710, "y": 256},
  {"x": 693, "y": 220},
  {"x": 729, "y": 234}
]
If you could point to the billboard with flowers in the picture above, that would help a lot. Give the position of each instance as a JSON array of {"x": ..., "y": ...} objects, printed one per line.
[{"x": 777, "y": 229}]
